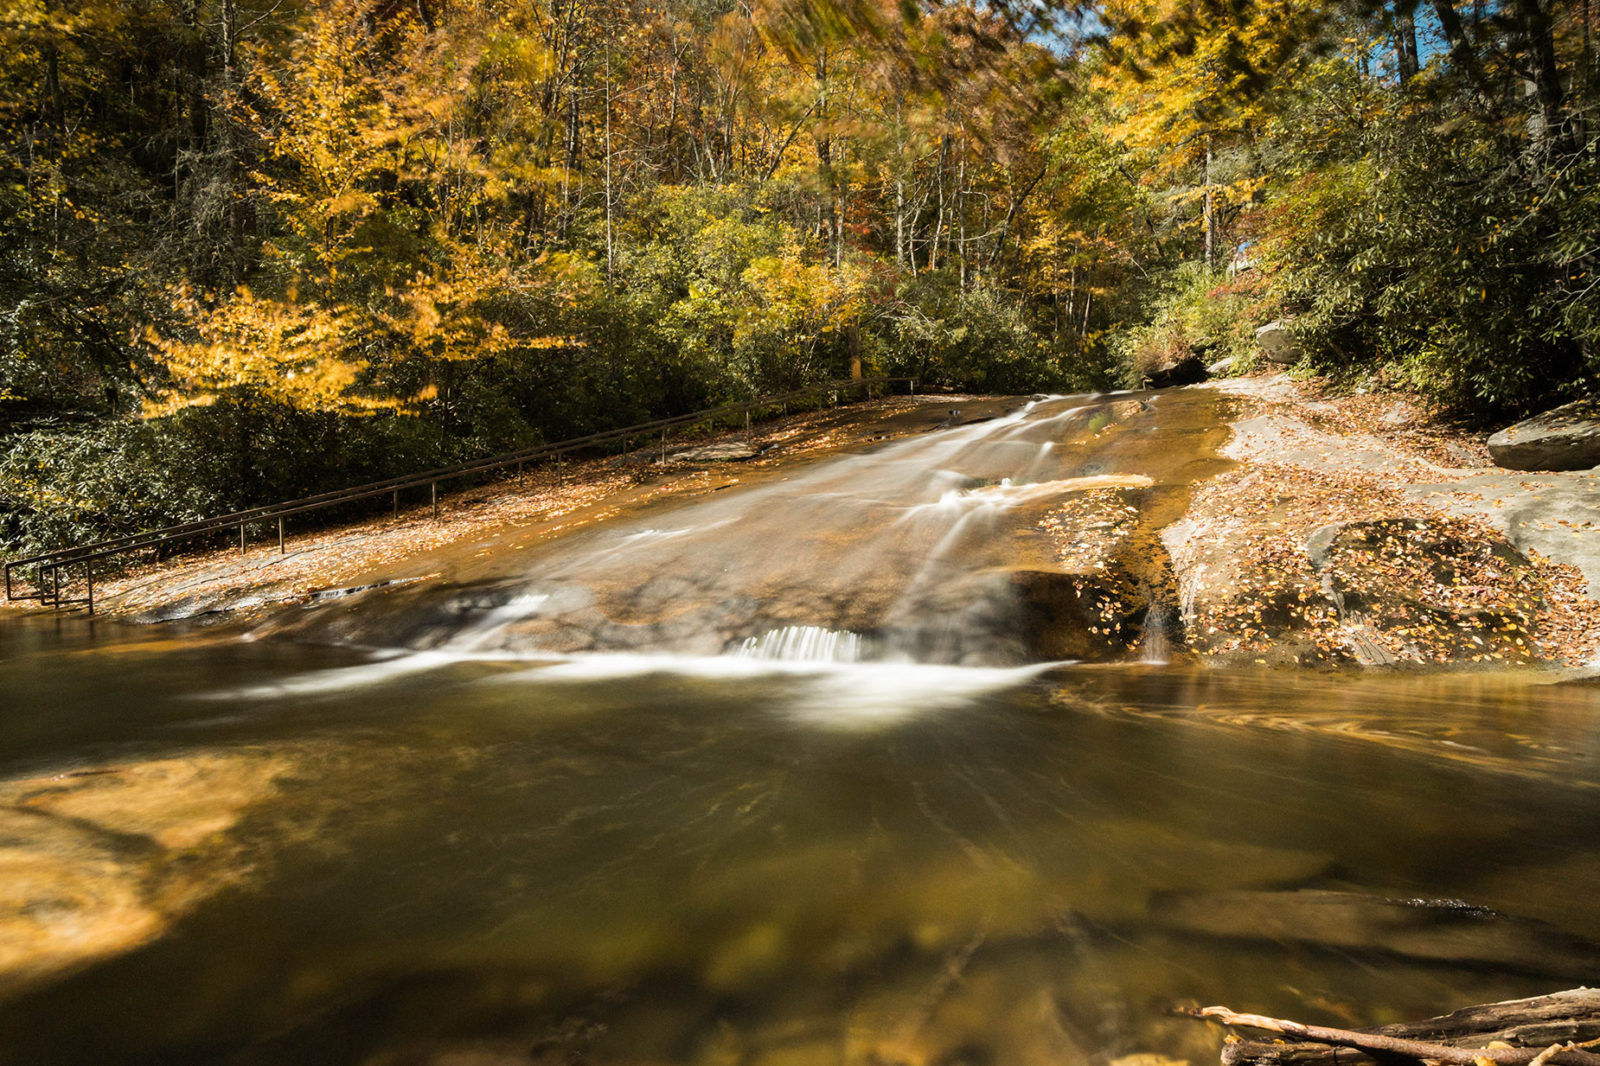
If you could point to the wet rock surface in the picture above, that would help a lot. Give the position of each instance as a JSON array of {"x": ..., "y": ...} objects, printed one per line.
[{"x": 928, "y": 550}]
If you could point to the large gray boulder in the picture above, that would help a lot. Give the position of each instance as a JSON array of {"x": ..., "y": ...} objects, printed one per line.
[
  {"x": 1567, "y": 438},
  {"x": 1277, "y": 344}
]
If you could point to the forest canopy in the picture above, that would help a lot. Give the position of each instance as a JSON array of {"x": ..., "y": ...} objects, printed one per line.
[{"x": 256, "y": 248}]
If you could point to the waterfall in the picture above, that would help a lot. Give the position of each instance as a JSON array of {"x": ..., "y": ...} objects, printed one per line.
[
  {"x": 914, "y": 542},
  {"x": 810, "y": 644},
  {"x": 1153, "y": 646}
]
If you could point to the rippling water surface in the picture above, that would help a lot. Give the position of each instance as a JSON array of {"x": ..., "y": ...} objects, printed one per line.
[
  {"x": 846, "y": 863},
  {"x": 804, "y": 850}
]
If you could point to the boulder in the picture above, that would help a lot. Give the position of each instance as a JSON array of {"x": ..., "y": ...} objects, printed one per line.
[
  {"x": 1221, "y": 368},
  {"x": 1426, "y": 590},
  {"x": 1187, "y": 370},
  {"x": 1277, "y": 344},
  {"x": 1567, "y": 438}
]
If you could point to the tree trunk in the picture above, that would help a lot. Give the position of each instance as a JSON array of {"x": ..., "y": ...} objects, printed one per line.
[
  {"x": 610, "y": 247},
  {"x": 1539, "y": 32},
  {"x": 1405, "y": 42},
  {"x": 1210, "y": 220},
  {"x": 961, "y": 208},
  {"x": 1462, "y": 54}
]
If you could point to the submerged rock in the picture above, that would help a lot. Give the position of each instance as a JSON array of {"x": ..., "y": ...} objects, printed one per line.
[
  {"x": 1567, "y": 438},
  {"x": 1448, "y": 931},
  {"x": 98, "y": 861}
]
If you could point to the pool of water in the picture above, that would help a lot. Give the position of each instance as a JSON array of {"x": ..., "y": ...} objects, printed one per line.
[
  {"x": 627, "y": 860},
  {"x": 769, "y": 777}
]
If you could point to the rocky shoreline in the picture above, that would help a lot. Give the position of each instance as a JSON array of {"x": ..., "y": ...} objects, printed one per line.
[
  {"x": 1285, "y": 526},
  {"x": 1354, "y": 530}
]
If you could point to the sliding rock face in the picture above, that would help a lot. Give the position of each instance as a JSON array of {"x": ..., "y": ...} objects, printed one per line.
[{"x": 1567, "y": 438}]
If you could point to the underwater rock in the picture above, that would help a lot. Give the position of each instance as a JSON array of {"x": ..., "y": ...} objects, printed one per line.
[
  {"x": 97, "y": 861},
  {"x": 1447, "y": 931}
]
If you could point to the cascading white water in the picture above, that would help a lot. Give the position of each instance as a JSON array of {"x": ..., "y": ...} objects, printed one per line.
[
  {"x": 796, "y": 570},
  {"x": 809, "y": 644},
  {"x": 1153, "y": 645},
  {"x": 896, "y": 556}
]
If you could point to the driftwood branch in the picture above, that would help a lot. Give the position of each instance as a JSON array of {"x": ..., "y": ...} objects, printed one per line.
[
  {"x": 1379, "y": 1044},
  {"x": 1560, "y": 1018}
]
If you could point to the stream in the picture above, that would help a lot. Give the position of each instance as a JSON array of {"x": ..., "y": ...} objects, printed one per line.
[{"x": 777, "y": 776}]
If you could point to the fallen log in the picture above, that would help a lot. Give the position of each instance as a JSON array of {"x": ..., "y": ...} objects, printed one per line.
[{"x": 1548, "y": 1030}]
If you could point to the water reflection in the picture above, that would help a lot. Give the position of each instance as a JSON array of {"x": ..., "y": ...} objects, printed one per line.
[
  {"x": 483, "y": 863},
  {"x": 722, "y": 787}
]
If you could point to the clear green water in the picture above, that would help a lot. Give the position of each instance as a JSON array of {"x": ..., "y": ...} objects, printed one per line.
[{"x": 483, "y": 863}]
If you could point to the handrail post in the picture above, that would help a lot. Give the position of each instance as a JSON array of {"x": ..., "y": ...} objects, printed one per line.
[
  {"x": 433, "y": 491},
  {"x": 397, "y": 503},
  {"x": 241, "y": 539},
  {"x": 280, "y": 535},
  {"x": 89, "y": 567}
]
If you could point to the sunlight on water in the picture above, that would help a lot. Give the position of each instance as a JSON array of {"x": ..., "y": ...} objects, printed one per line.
[{"x": 768, "y": 778}]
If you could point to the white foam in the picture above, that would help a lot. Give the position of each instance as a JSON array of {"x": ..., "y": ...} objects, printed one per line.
[
  {"x": 827, "y": 694},
  {"x": 804, "y": 644},
  {"x": 386, "y": 668},
  {"x": 868, "y": 694}
]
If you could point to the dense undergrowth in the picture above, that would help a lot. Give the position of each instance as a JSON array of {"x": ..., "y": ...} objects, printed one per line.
[{"x": 252, "y": 249}]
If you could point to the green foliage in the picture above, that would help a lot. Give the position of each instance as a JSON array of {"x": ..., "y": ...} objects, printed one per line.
[
  {"x": 1422, "y": 254},
  {"x": 317, "y": 241},
  {"x": 1196, "y": 313}
]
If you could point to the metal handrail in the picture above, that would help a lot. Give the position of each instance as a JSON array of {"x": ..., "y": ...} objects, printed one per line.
[{"x": 48, "y": 587}]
